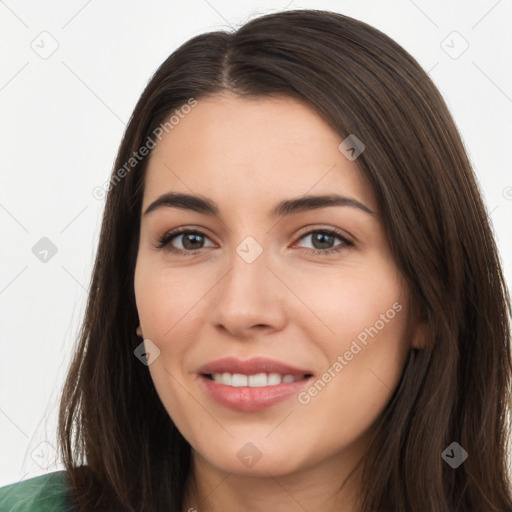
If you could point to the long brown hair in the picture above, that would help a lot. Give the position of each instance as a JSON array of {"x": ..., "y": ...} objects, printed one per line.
[{"x": 119, "y": 445}]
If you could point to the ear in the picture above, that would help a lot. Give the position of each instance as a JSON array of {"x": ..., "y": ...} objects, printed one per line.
[
  {"x": 419, "y": 339},
  {"x": 419, "y": 328}
]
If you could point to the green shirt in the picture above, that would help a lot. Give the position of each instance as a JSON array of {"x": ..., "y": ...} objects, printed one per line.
[{"x": 45, "y": 493}]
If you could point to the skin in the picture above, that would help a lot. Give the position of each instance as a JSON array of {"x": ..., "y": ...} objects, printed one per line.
[{"x": 289, "y": 304}]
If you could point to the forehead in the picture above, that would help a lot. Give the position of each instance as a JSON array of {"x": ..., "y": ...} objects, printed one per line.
[{"x": 252, "y": 150}]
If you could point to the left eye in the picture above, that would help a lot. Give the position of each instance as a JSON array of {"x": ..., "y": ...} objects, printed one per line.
[
  {"x": 192, "y": 240},
  {"x": 323, "y": 239}
]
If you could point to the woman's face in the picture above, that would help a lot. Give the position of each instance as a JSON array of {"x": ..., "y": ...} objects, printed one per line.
[{"x": 264, "y": 287}]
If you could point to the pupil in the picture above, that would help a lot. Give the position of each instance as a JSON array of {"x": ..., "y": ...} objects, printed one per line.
[
  {"x": 322, "y": 236},
  {"x": 188, "y": 241}
]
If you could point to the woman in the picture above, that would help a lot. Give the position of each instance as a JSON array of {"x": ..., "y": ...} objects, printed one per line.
[{"x": 297, "y": 302}]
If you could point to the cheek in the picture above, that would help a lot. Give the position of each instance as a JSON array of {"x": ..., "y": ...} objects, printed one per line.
[
  {"x": 365, "y": 347},
  {"x": 168, "y": 311},
  {"x": 349, "y": 301},
  {"x": 165, "y": 299},
  {"x": 342, "y": 405},
  {"x": 167, "y": 319}
]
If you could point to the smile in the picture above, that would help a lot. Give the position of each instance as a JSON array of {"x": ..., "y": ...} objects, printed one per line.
[
  {"x": 257, "y": 380},
  {"x": 253, "y": 384}
]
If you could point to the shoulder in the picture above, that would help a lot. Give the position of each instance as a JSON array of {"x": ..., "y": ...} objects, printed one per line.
[{"x": 42, "y": 493}]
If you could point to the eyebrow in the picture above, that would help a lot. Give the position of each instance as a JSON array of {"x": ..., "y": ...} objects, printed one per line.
[{"x": 287, "y": 207}]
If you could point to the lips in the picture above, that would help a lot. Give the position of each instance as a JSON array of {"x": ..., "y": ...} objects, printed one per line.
[
  {"x": 251, "y": 385},
  {"x": 251, "y": 367}
]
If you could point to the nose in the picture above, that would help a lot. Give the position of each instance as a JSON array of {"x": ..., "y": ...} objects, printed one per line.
[{"x": 249, "y": 298}]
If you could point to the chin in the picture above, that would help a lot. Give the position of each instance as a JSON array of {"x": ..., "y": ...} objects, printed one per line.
[{"x": 257, "y": 458}]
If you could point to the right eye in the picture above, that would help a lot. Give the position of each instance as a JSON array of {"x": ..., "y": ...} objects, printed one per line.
[{"x": 191, "y": 240}]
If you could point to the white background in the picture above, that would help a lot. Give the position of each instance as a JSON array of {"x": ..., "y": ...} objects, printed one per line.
[{"x": 62, "y": 119}]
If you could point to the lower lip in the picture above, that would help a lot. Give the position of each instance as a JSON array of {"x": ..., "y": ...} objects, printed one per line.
[{"x": 251, "y": 399}]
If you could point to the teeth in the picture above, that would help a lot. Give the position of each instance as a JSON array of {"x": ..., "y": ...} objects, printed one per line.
[
  {"x": 273, "y": 379},
  {"x": 238, "y": 380},
  {"x": 258, "y": 380}
]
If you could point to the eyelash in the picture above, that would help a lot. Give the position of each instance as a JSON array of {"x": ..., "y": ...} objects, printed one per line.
[{"x": 168, "y": 237}]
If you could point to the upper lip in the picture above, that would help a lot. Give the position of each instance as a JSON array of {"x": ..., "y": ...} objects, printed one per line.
[{"x": 251, "y": 367}]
